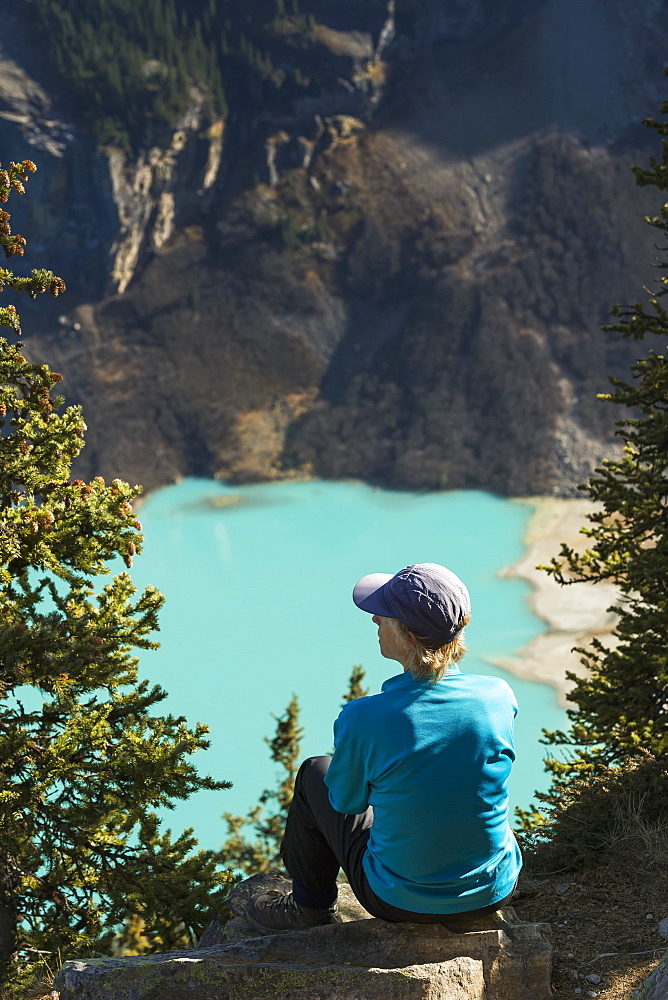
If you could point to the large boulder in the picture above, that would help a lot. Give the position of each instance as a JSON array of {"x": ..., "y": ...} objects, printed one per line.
[
  {"x": 655, "y": 987},
  {"x": 361, "y": 958}
]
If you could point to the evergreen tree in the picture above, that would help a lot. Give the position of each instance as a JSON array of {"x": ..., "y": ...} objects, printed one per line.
[
  {"x": 85, "y": 758},
  {"x": 263, "y": 852},
  {"x": 133, "y": 66},
  {"x": 355, "y": 689},
  {"x": 619, "y": 727}
]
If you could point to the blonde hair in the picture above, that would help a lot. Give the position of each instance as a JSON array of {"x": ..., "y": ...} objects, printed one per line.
[{"x": 425, "y": 662}]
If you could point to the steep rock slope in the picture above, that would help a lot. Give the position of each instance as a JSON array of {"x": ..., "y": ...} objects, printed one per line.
[{"x": 397, "y": 274}]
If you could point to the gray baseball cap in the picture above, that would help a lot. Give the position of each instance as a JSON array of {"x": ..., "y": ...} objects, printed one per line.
[{"x": 428, "y": 598}]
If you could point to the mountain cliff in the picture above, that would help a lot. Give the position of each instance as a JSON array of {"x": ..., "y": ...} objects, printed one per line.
[{"x": 386, "y": 256}]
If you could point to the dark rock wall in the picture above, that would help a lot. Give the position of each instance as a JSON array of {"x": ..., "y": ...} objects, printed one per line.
[{"x": 411, "y": 296}]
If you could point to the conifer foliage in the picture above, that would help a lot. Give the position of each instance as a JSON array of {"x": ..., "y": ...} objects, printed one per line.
[
  {"x": 622, "y": 703},
  {"x": 355, "y": 687},
  {"x": 263, "y": 851},
  {"x": 84, "y": 756},
  {"x": 134, "y": 67},
  {"x": 619, "y": 727}
]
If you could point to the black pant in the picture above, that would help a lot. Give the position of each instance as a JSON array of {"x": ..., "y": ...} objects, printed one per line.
[{"x": 319, "y": 841}]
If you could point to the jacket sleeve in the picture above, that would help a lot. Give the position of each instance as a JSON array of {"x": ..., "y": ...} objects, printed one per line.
[{"x": 346, "y": 777}]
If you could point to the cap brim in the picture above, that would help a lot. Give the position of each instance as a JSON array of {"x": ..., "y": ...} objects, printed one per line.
[{"x": 368, "y": 594}]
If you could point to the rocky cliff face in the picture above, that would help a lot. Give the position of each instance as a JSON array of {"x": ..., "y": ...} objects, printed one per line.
[{"x": 394, "y": 271}]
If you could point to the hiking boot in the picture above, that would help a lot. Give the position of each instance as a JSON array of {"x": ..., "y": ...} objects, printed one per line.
[{"x": 272, "y": 912}]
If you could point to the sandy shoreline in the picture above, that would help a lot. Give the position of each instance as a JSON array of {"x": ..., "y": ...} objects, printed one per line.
[{"x": 573, "y": 614}]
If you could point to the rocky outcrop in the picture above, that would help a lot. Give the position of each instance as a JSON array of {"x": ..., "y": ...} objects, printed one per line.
[
  {"x": 655, "y": 986},
  {"x": 394, "y": 269},
  {"x": 365, "y": 959},
  {"x": 104, "y": 209},
  {"x": 145, "y": 190}
]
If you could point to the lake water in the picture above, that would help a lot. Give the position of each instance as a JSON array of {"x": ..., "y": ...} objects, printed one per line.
[{"x": 258, "y": 583}]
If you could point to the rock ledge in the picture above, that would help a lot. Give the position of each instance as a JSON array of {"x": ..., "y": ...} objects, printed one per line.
[{"x": 360, "y": 959}]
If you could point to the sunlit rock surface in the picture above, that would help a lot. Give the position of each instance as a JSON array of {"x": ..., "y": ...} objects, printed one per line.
[{"x": 364, "y": 959}]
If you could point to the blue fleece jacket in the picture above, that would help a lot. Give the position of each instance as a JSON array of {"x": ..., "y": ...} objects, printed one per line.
[{"x": 433, "y": 760}]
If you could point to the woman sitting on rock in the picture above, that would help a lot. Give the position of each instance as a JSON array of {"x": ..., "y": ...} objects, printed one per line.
[{"x": 413, "y": 806}]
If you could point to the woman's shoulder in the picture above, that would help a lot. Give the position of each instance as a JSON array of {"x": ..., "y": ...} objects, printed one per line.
[
  {"x": 486, "y": 686},
  {"x": 486, "y": 680}
]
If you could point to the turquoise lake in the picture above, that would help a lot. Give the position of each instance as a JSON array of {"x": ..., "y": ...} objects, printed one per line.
[{"x": 258, "y": 583}]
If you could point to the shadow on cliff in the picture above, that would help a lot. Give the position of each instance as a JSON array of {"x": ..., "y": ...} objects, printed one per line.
[{"x": 494, "y": 75}]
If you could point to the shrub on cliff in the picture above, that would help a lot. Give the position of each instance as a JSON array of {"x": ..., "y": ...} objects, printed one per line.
[
  {"x": 85, "y": 757},
  {"x": 619, "y": 727}
]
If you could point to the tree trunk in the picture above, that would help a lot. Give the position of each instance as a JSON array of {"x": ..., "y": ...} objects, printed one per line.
[{"x": 7, "y": 932}]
